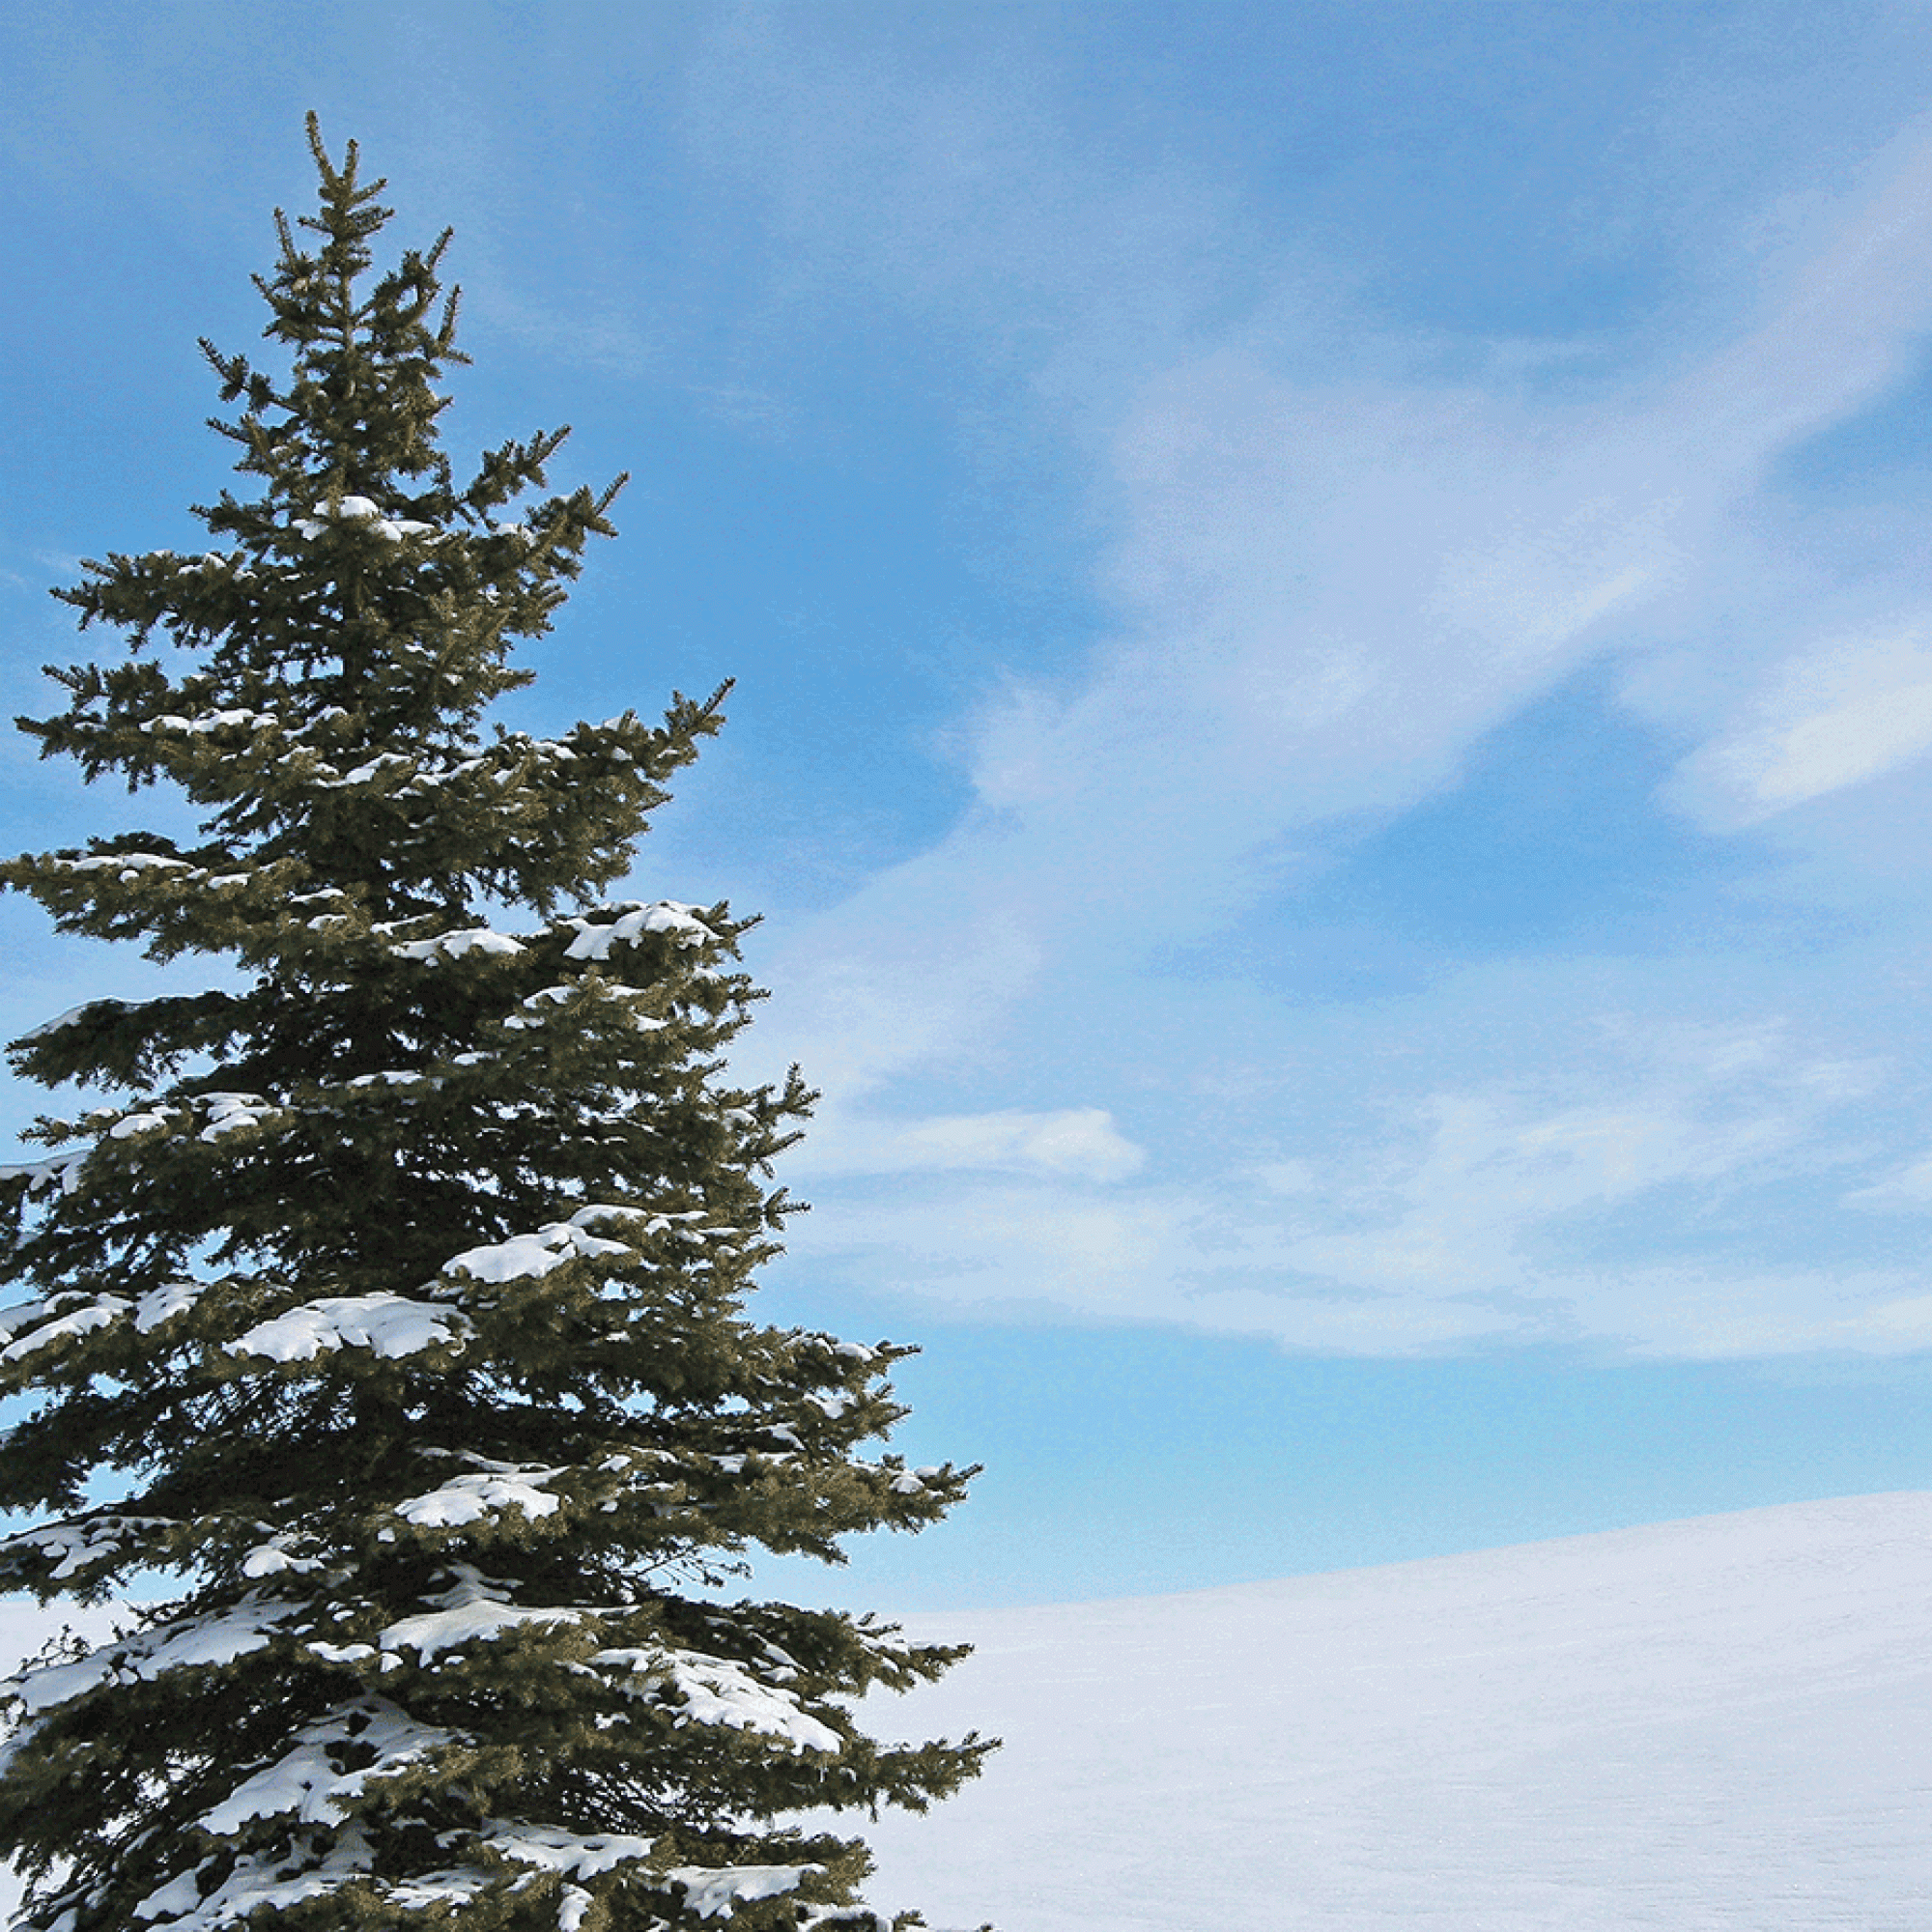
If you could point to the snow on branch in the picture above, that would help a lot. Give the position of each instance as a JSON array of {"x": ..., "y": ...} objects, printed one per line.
[
  {"x": 549, "y": 1247},
  {"x": 711, "y": 1893},
  {"x": 259, "y": 1881},
  {"x": 361, "y": 510},
  {"x": 58, "y": 1318},
  {"x": 714, "y": 1691},
  {"x": 212, "y": 720},
  {"x": 31, "y": 1327},
  {"x": 534, "y": 1006},
  {"x": 454, "y": 944},
  {"x": 388, "y": 1325},
  {"x": 471, "y": 1612},
  {"x": 129, "y": 867},
  {"x": 272, "y": 1882},
  {"x": 41, "y": 1177},
  {"x": 564, "y": 1851},
  {"x": 76, "y": 1015},
  {"x": 310, "y": 1784},
  {"x": 72, "y": 1549},
  {"x": 488, "y": 1491},
  {"x": 196, "y": 1642},
  {"x": 635, "y": 919}
]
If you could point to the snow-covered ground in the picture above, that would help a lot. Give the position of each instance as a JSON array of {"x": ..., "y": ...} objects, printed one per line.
[
  {"x": 1720, "y": 1723},
  {"x": 1725, "y": 1722}
]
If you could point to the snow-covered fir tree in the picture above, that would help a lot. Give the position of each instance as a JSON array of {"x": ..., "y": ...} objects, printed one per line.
[{"x": 394, "y": 1306}]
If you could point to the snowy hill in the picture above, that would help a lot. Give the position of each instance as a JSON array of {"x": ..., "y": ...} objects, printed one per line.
[{"x": 1720, "y": 1723}]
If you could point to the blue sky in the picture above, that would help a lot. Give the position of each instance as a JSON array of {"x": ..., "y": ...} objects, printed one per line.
[{"x": 1334, "y": 638}]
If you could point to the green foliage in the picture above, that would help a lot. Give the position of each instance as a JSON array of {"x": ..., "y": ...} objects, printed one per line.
[{"x": 396, "y": 1299}]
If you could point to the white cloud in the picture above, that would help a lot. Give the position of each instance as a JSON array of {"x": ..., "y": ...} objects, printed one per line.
[
  {"x": 1210, "y": 1258},
  {"x": 1908, "y": 1190},
  {"x": 1834, "y": 715},
  {"x": 1077, "y": 1143},
  {"x": 1571, "y": 1203},
  {"x": 1499, "y": 1170}
]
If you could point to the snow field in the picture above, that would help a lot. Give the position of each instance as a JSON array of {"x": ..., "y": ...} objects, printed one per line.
[{"x": 1718, "y": 1723}]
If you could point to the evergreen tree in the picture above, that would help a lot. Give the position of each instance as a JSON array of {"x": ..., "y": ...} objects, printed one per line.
[{"x": 397, "y": 1307}]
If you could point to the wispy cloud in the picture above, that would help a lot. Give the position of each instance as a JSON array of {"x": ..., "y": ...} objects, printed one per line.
[
  {"x": 1830, "y": 715},
  {"x": 1328, "y": 577},
  {"x": 1907, "y": 1190},
  {"x": 1573, "y": 1207},
  {"x": 1327, "y": 594},
  {"x": 1074, "y": 1143}
]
